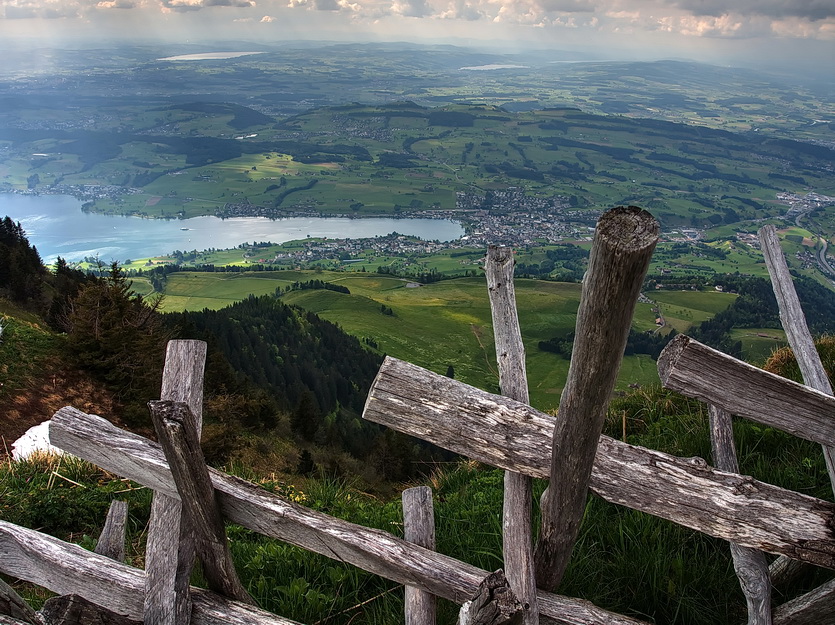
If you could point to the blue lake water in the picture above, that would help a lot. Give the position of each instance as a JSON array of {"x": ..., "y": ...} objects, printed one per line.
[{"x": 56, "y": 225}]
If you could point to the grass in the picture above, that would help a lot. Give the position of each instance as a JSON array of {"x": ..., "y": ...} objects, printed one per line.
[
  {"x": 758, "y": 344},
  {"x": 25, "y": 348}
]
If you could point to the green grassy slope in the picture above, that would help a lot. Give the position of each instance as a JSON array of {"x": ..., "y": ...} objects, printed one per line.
[{"x": 446, "y": 323}]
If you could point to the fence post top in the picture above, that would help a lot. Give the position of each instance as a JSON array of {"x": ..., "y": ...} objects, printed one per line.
[{"x": 629, "y": 228}]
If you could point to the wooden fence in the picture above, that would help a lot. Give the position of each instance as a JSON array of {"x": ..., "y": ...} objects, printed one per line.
[{"x": 192, "y": 501}]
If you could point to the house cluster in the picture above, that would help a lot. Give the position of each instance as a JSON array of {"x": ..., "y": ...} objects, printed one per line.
[
  {"x": 393, "y": 244},
  {"x": 799, "y": 204},
  {"x": 512, "y": 199}
]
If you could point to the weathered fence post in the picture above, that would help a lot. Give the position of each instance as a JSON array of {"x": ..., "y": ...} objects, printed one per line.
[
  {"x": 803, "y": 345},
  {"x": 177, "y": 435},
  {"x": 623, "y": 244},
  {"x": 794, "y": 323},
  {"x": 750, "y": 564},
  {"x": 419, "y": 528},
  {"x": 517, "y": 531},
  {"x": 170, "y": 552},
  {"x": 112, "y": 538}
]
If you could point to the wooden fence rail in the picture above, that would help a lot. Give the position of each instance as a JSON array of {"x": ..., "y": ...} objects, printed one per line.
[
  {"x": 511, "y": 435},
  {"x": 701, "y": 372},
  {"x": 129, "y": 455},
  {"x": 69, "y": 569}
]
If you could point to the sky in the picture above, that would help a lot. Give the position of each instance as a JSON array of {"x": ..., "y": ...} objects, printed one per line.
[{"x": 770, "y": 31}]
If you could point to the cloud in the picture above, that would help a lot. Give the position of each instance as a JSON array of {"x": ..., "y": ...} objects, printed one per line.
[
  {"x": 31, "y": 9},
  {"x": 412, "y": 8},
  {"x": 116, "y": 4},
  {"x": 185, "y": 6},
  {"x": 182, "y": 6},
  {"x": 675, "y": 23},
  {"x": 567, "y": 6},
  {"x": 228, "y": 3},
  {"x": 463, "y": 10},
  {"x": 813, "y": 10}
]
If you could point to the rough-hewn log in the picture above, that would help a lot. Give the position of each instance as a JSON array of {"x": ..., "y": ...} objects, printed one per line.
[
  {"x": 419, "y": 528},
  {"x": 76, "y": 610},
  {"x": 100, "y": 442},
  {"x": 169, "y": 555},
  {"x": 814, "y": 608},
  {"x": 15, "y": 606},
  {"x": 494, "y": 604},
  {"x": 808, "y": 359},
  {"x": 510, "y": 435},
  {"x": 624, "y": 240},
  {"x": 750, "y": 564},
  {"x": 112, "y": 538},
  {"x": 517, "y": 528},
  {"x": 175, "y": 426},
  {"x": 699, "y": 371},
  {"x": 69, "y": 569}
]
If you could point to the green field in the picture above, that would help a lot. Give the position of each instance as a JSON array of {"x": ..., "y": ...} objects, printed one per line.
[
  {"x": 400, "y": 158},
  {"x": 759, "y": 343},
  {"x": 683, "y": 309},
  {"x": 446, "y": 323}
]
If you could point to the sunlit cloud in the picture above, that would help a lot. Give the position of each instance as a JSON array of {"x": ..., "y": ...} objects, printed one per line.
[{"x": 116, "y": 4}]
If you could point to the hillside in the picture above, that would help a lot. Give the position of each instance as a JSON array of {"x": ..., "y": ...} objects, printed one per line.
[
  {"x": 391, "y": 159},
  {"x": 36, "y": 377}
]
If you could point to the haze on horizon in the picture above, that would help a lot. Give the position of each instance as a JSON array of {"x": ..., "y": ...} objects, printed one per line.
[{"x": 785, "y": 34}]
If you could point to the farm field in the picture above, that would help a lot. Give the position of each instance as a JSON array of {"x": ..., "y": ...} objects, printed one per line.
[{"x": 444, "y": 324}]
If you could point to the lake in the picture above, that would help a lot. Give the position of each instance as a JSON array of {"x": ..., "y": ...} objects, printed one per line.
[{"x": 56, "y": 225}]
